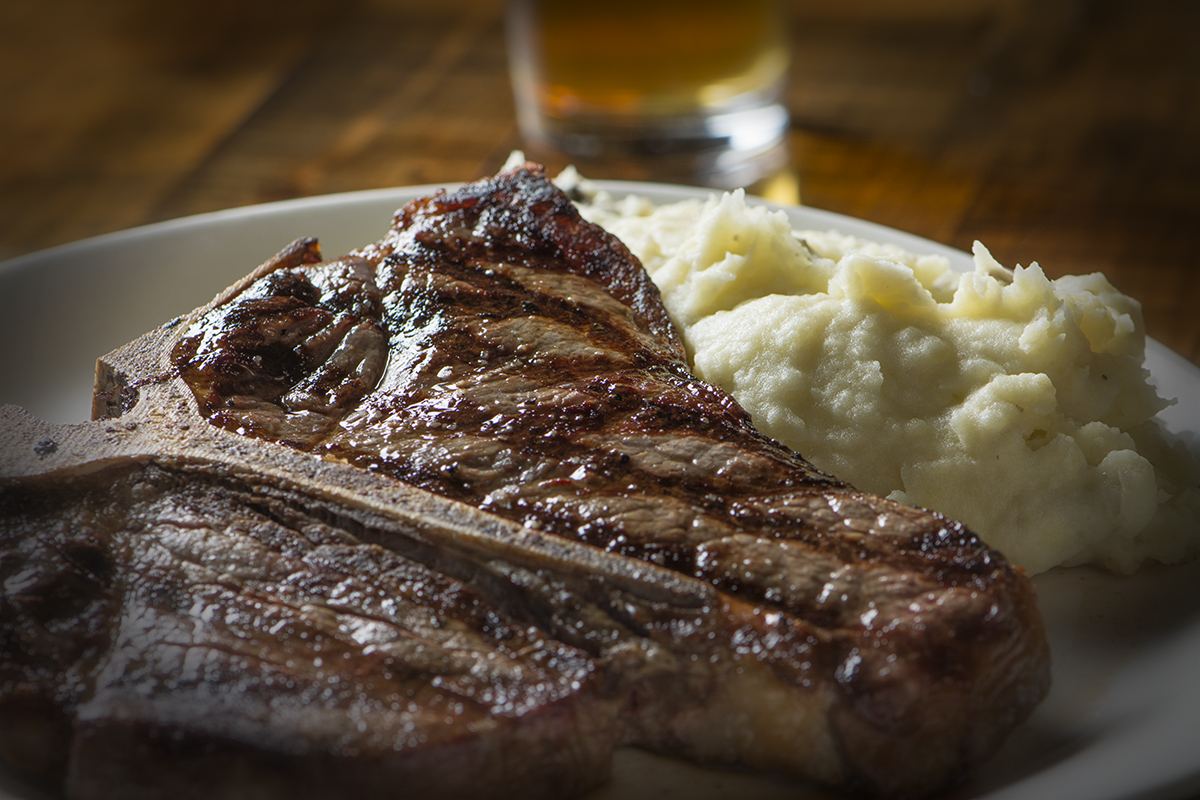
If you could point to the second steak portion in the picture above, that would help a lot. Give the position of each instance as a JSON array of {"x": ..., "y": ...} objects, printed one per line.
[
  {"x": 495, "y": 348},
  {"x": 181, "y": 630}
]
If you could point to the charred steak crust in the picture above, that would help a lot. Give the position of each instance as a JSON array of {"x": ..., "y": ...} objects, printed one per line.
[
  {"x": 495, "y": 349},
  {"x": 522, "y": 215}
]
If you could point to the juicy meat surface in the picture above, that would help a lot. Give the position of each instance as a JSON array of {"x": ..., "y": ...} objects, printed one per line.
[
  {"x": 497, "y": 351},
  {"x": 186, "y": 635}
]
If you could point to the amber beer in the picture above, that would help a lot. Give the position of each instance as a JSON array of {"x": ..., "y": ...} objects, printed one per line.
[{"x": 595, "y": 77}]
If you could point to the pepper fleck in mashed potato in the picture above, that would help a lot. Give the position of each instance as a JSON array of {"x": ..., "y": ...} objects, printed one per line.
[{"x": 1014, "y": 403}]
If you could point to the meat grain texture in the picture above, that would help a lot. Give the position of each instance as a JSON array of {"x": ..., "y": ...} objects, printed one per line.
[{"x": 450, "y": 513}]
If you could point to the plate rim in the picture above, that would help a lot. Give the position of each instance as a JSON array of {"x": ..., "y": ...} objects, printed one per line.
[{"x": 405, "y": 193}]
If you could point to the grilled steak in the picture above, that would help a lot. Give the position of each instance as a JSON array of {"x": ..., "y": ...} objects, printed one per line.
[{"x": 472, "y": 456}]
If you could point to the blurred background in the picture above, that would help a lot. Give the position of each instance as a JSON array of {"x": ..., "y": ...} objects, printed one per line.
[{"x": 1060, "y": 131}]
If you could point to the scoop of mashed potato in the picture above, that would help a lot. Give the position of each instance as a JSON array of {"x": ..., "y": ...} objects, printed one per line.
[{"x": 1014, "y": 403}]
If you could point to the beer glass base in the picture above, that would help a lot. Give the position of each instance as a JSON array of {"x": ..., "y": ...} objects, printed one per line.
[{"x": 724, "y": 149}]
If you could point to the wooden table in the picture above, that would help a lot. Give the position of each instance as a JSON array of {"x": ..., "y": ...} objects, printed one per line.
[{"x": 1061, "y": 131}]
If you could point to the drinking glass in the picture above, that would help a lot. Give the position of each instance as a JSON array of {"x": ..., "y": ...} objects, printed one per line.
[{"x": 681, "y": 89}]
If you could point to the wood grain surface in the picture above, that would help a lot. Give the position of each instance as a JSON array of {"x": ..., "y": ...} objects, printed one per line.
[{"x": 1065, "y": 132}]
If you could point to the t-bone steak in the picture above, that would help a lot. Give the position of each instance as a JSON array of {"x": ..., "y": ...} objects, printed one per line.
[{"x": 450, "y": 516}]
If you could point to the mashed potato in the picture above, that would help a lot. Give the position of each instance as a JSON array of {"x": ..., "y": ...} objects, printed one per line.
[{"x": 1014, "y": 403}]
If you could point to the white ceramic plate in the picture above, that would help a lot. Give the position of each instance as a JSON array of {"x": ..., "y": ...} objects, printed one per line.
[{"x": 1122, "y": 720}]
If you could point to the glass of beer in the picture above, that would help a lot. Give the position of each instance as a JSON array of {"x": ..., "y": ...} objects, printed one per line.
[{"x": 688, "y": 89}]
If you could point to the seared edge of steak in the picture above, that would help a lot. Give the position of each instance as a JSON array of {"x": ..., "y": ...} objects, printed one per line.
[{"x": 521, "y": 213}]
